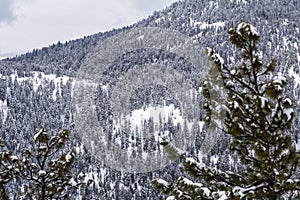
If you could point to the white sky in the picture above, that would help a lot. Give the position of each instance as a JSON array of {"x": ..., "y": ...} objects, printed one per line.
[{"x": 29, "y": 24}]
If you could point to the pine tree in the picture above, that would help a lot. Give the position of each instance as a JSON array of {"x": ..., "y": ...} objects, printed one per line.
[
  {"x": 257, "y": 117},
  {"x": 7, "y": 171},
  {"x": 46, "y": 168},
  {"x": 42, "y": 171}
]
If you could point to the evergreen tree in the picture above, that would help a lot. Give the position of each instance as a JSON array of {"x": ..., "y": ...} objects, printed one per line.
[
  {"x": 257, "y": 117},
  {"x": 7, "y": 171},
  {"x": 42, "y": 171},
  {"x": 46, "y": 168}
]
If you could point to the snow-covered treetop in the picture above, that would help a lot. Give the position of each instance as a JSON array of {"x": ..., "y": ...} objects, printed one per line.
[{"x": 243, "y": 26}]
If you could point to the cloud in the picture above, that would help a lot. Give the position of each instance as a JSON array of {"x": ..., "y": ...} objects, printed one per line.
[
  {"x": 152, "y": 5},
  {"x": 39, "y": 23},
  {"x": 7, "y": 14}
]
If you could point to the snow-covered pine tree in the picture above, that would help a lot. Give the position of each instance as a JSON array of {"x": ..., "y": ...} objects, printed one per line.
[
  {"x": 258, "y": 118},
  {"x": 7, "y": 171},
  {"x": 45, "y": 170}
]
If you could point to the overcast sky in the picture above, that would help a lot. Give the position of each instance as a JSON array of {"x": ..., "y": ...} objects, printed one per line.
[{"x": 29, "y": 24}]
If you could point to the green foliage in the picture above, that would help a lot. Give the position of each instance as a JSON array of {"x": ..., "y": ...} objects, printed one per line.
[
  {"x": 42, "y": 171},
  {"x": 257, "y": 117},
  {"x": 47, "y": 168},
  {"x": 7, "y": 171}
]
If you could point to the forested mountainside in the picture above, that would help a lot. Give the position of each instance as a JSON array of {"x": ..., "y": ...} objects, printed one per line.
[{"x": 36, "y": 88}]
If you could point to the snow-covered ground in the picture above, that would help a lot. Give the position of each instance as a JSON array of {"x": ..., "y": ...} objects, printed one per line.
[
  {"x": 158, "y": 114},
  {"x": 3, "y": 109},
  {"x": 37, "y": 79},
  {"x": 204, "y": 25}
]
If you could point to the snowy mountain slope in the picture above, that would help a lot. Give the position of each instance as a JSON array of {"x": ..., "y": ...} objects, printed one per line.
[{"x": 36, "y": 88}]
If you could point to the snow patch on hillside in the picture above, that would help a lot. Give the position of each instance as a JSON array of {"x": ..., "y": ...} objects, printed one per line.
[
  {"x": 39, "y": 78},
  {"x": 205, "y": 25},
  {"x": 160, "y": 112},
  {"x": 158, "y": 115},
  {"x": 4, "y": 109}
]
